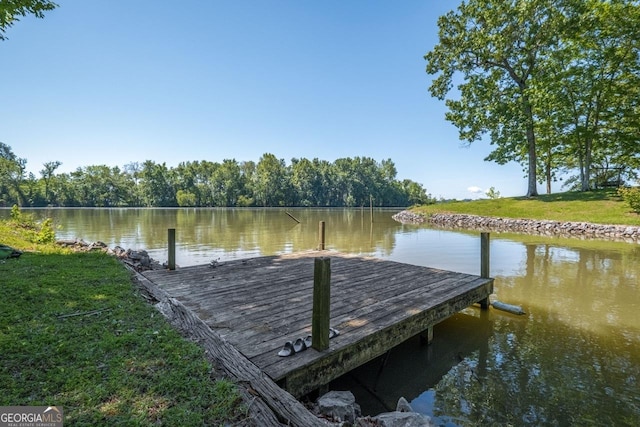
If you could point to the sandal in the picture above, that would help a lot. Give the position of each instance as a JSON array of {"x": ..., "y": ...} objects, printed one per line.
[
  {"x": 287, "y": 350},
  {"x": 299, "y": 345}
]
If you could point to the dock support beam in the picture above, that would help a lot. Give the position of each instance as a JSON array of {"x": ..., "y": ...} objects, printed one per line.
[
  {"x": 172, "y": 248},
  {"x": 484, "y": 263},
  {"x": 427, "y": 336},
  {"x": 321, "y": 303}
]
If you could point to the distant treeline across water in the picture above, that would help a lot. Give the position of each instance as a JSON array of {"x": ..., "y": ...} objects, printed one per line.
[{"x": 346, "y": 182}]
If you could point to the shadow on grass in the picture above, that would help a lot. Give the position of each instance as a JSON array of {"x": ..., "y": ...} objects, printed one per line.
[{"x": 573, "y": 196}]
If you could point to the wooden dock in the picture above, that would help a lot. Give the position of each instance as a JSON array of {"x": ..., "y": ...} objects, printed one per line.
[{"x": 258, "y": 304}]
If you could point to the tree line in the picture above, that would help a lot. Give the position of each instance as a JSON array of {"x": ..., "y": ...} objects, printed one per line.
[
  {"x": 555, "y": 84},
  {"x": 346, "y": 182}
]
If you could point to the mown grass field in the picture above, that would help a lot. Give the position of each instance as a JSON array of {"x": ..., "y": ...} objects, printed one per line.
[
  {"x": 601, "y": 207},
  {"x": 75, "y": 332}
]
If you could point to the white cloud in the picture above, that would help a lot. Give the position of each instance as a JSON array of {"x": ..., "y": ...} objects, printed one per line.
[{"x": 475, "y": 190}]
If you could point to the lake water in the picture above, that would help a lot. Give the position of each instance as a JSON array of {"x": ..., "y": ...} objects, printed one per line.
[{"x": 573, "y": 359}]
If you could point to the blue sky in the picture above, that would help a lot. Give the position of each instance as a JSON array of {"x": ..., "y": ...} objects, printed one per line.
[{"x": 118, "y": 81}]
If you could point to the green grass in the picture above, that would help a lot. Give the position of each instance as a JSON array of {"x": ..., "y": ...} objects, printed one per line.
[
  {"x": 600, "y": 207},
  {"x": 75, "y": 332}
]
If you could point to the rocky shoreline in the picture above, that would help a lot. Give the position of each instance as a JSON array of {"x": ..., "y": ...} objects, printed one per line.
[
  {"x": 581, "y": 230},
  {"x": 138, "y": 260},
  {"x": 339, "y": 409}
]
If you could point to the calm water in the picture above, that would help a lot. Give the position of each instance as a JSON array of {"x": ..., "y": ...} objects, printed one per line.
[{"x": 573, "y": 359}]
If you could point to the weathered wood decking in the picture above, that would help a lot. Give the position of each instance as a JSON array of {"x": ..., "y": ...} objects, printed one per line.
[{"x": 258, "y": 304}]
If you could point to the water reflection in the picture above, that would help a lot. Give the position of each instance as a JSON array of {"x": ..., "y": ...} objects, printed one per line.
[
  {"x": 573, "y": 359},
  {"x": 409, "y": 369},
  {"x": 543, "y": 372},
  {"x": 206, "y": 234}
]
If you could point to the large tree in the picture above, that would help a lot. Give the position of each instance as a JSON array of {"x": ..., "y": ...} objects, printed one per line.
[
  {"x": 10, "y": 10},
  {"x": 593, "y": 94},
  {"x": 496, "y": 48}
]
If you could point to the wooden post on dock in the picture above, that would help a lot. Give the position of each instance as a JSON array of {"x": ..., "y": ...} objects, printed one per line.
[
  {"x": 484, "y": 255},
  {"x": 484, "y": 263},
  {"x": 172, "y": 248},
  {"x": 321, "y": 303},
  {"x": 321, "y": 236}
]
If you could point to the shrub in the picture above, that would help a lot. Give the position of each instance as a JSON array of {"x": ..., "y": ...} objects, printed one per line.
[
  {"x": 492, "y": 193},
  {"x": 34, "y": 232},
  {"x": 46, "y": 233},
  {"x": 631, "y": 195},
  {"x": 16, "y": 214}
]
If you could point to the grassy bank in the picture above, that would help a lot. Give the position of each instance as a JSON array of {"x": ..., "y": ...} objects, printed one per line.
[
  {"x": 601, "y": 207},
  {"x": 75, "y": 332}
]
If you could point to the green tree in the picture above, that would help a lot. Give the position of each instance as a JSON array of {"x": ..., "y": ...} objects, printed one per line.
[
  {"x": 185, "y": 198},
  {"x": 390, "y": 191},
  {"x": 10, "y": 10},
  {"x": 157, "y": 185},
  {"x": 594, "y": 90},
  {"x": 272, "y": 183},
  {"x": 347, "y": 182},
  {"x": 367, "y": 180},
  {"x": 12, "y": 169},
  {"x": 307, "y": 182},
  {"x": 492, "y": 193},
  {"x": 496, "y": 47},
  {"x": 62, "y": 189},
  {"x": 415, "y": 194},
  {"x": 31, "y": 189},
  {"x": 552, "y": 151},
  {"x": 227, "y": 180},
  {"x": 344, "y": 182},
  {"x": 101, "y": 186},
  {"x": 247, "y": 176},
  {"x": 47, "y": 175},
  {"x": 188, "y": 179},
  {"x": 314, "y": 182}
]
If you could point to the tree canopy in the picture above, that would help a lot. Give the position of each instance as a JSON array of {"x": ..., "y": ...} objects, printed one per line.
[
  {"x": 10, "y": 10},
  {"x": 347, "y": 182},
  {"x": 554, "y": 83}
]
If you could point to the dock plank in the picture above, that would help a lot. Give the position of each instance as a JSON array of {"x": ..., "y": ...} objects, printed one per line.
[
  {"x": 347, "y": 312},
  {"x": 260, "y": 303}
]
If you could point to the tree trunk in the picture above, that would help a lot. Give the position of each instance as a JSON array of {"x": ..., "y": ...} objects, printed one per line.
[
  {"x": 548, "y": 173},
  {"x": 532, "y": 189},
  {"x": 585, "y": 174}
]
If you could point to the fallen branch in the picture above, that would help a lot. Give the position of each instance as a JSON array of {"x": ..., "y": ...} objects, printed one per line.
[{"x": 293, "y": 217}]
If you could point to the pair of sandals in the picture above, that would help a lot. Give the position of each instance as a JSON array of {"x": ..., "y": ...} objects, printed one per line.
[{"x": 300, "y": 344}]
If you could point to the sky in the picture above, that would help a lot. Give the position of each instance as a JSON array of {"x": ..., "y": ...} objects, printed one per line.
[{"x": 111, "y": 82}]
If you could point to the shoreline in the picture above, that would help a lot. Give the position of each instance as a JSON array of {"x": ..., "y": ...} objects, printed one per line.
[{"x": 579, "y": 230}]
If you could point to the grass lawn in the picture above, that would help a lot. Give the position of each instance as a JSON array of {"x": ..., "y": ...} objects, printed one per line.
[
  {"x": 601, "y": 207},
  {"x": 75, "y": 332}
]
